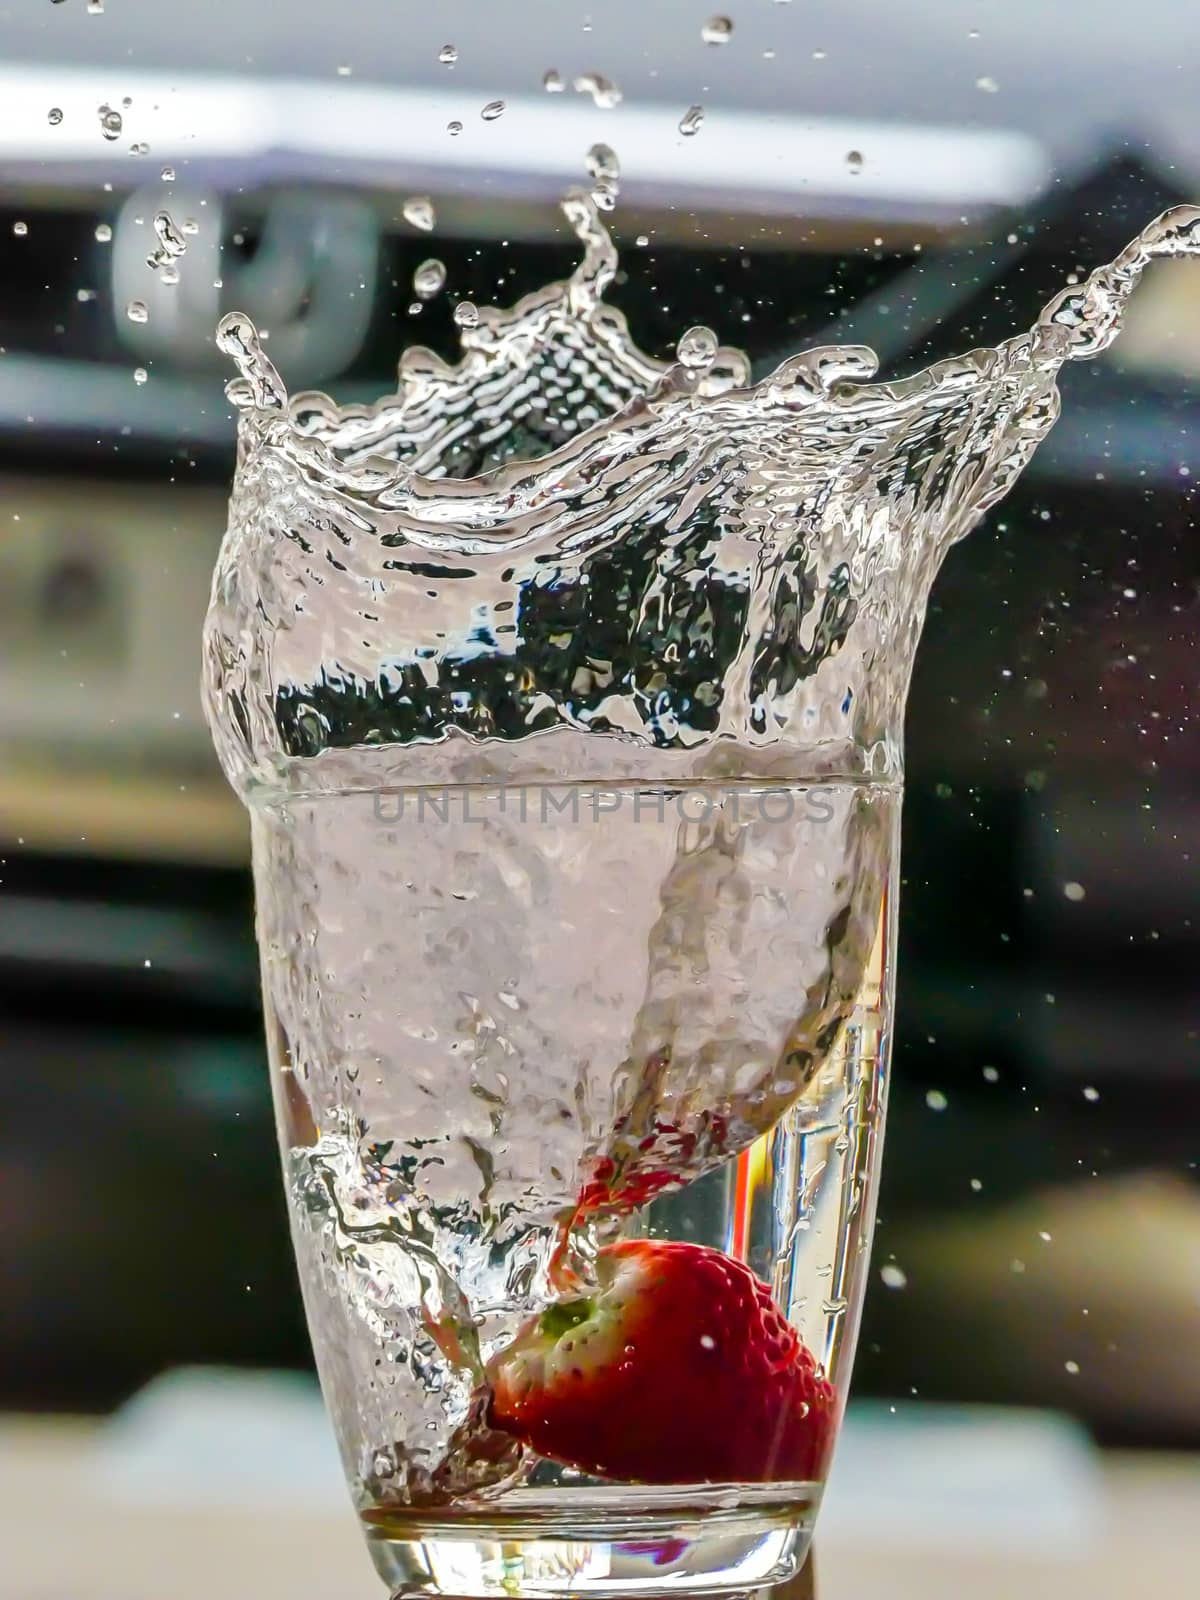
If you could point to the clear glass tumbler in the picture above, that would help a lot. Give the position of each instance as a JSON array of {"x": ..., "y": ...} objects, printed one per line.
[{"x": 566, "y": 690}]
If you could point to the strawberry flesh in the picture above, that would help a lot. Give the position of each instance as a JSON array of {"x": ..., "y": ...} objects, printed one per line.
[{"x": 677, "y": 1368}]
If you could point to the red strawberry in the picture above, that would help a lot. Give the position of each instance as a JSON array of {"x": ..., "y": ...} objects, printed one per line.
[{"x": 678, "y": 1368}]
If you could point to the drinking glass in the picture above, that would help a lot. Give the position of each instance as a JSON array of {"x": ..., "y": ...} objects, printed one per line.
[{"x": 565, "y": 689}]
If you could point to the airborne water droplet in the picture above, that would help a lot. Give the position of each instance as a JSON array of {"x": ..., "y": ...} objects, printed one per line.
[
  {"x": 454, "y": 128},
  {"x": 429, "y": 279},
  {"x": 697, "y": 348},
  {"x": 493, "y": 109},
  {"x": 448, "y": 55},
  {"x": 987, "y": 85},
  {"x": 190, "y": 226},
  {"x": 854, "y": 160},
  {"x": 466, "y": 314},
  {"x": 605, "y": 171},
  {"x": 936, "y": 1100},
  {"x": 54, "y": 116},
  {"x": 604, "y": 91},
  {"x": 892, "y": 1276},
  {"x": 140, "y": 375},
  {"x": 167, "y": 174},
  {"x": 111, "y": 122},
  {"x": 95, "y": 8},
  {"x": 552, "y": 81},
  {"x": 103, "y": 233},
  {"x": 717, "y": 30},
  {"x": 170, "y": 239},
  {"x": 419, "y": 213},
  {"x": 20, "y": 229},
  {"x": 689, "y": 122},
  {"x": 140, "y": 148},
  {"x": 136, "y": 311}
]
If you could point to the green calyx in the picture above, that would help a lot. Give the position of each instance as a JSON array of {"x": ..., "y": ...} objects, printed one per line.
[{"x": 559, "y": 1319}]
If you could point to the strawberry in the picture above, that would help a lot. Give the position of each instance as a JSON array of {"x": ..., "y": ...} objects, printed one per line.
[{"x": 677, "y": 1368}]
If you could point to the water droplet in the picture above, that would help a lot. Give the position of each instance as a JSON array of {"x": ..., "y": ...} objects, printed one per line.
[
  {"x": 20, "y": 229},
  {"x": 191, "y": 227},
  {"x": 140, "y": 148},
  {"x": 936, "y": 1100},
  {"x": 84, "y": 295},
  {"x": 454, "y": 129},
  {"x": 448, "y": 55},
  {"x": 991, "y": 1075},
  {"x": 642, "y": 240},
  {"x": 717, "y": 30},
  {"x": 493, "y": 109},
  {"x": 1074, "y": 892},
  {"x": 466, "y": 314},
  {"x": 605, "y": 171},
  {"x": 429, "y": 279},
  {"x": 987, "y": 85},
  {"x": 344, "y": 69},
  {"x": 169, "y": 237},
  {"x": 54, "y": 116},
  {"x": 95, "y": 8},
  {"x": 854, "y": 160},
  {"x": 419, "y": 213},
  {"x": 976, "y": 1185},
  {"x": 136, "y": 311},
  {"x": 819, "y": 55},
  {"x": 689, "y": 122},
  {"x": 169, "y": 276},
  {"x": 1072, "y": 1367},
  {"x": 603, "y": 91},
  {"x": 1091, "y": 1094},
  {"x": 111, "y": 122},
  {"x": 697, "y": 348},
  {"x": 892, "y": 1276},
  {"x": 552, "y": 81},
  {"x": 103, "y": 233},
  {"x": 167, "y": 174},
  {"x": 140, "y": 375}
]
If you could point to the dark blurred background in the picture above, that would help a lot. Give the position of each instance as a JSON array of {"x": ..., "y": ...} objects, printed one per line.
[{"x": 1040, "y": 1212}]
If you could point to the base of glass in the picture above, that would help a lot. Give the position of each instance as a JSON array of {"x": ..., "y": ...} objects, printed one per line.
[{"x": 636, "y": 1543}]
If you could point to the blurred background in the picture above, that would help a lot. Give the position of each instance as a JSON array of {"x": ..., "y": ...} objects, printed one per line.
[{"x": 919, "y": 177}]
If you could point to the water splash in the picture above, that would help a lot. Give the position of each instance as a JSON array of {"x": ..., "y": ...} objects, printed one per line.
[{"x": 560, "y": 537}]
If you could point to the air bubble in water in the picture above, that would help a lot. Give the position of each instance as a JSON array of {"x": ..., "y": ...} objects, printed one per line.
[
  {"x": 689, "y": 122},
  {"x": 454, "y": 128},
  {"x": 603, "y": 91},
  {"x": 552, "y": 81},
  {"x": 987, "y": 85},
  {"x": 140, "y": 375},
  {"x": 419, "y": 213},
  {"x": 103, "y": 233},
  {"x": 136, "y": 311},
  {"x": 493, "y": 109},
  {"x": 854, "y": 161},
  {"x": 429, "y": 279},
  {"x": 54, "y": 116},
  {"x": 717, "y": 30},
  {"x": 111, "y": 122},
  {"x": 697, "y": 348},
  {"x": 448, "y": 55},
  {"x": 466, "y": 314}
]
